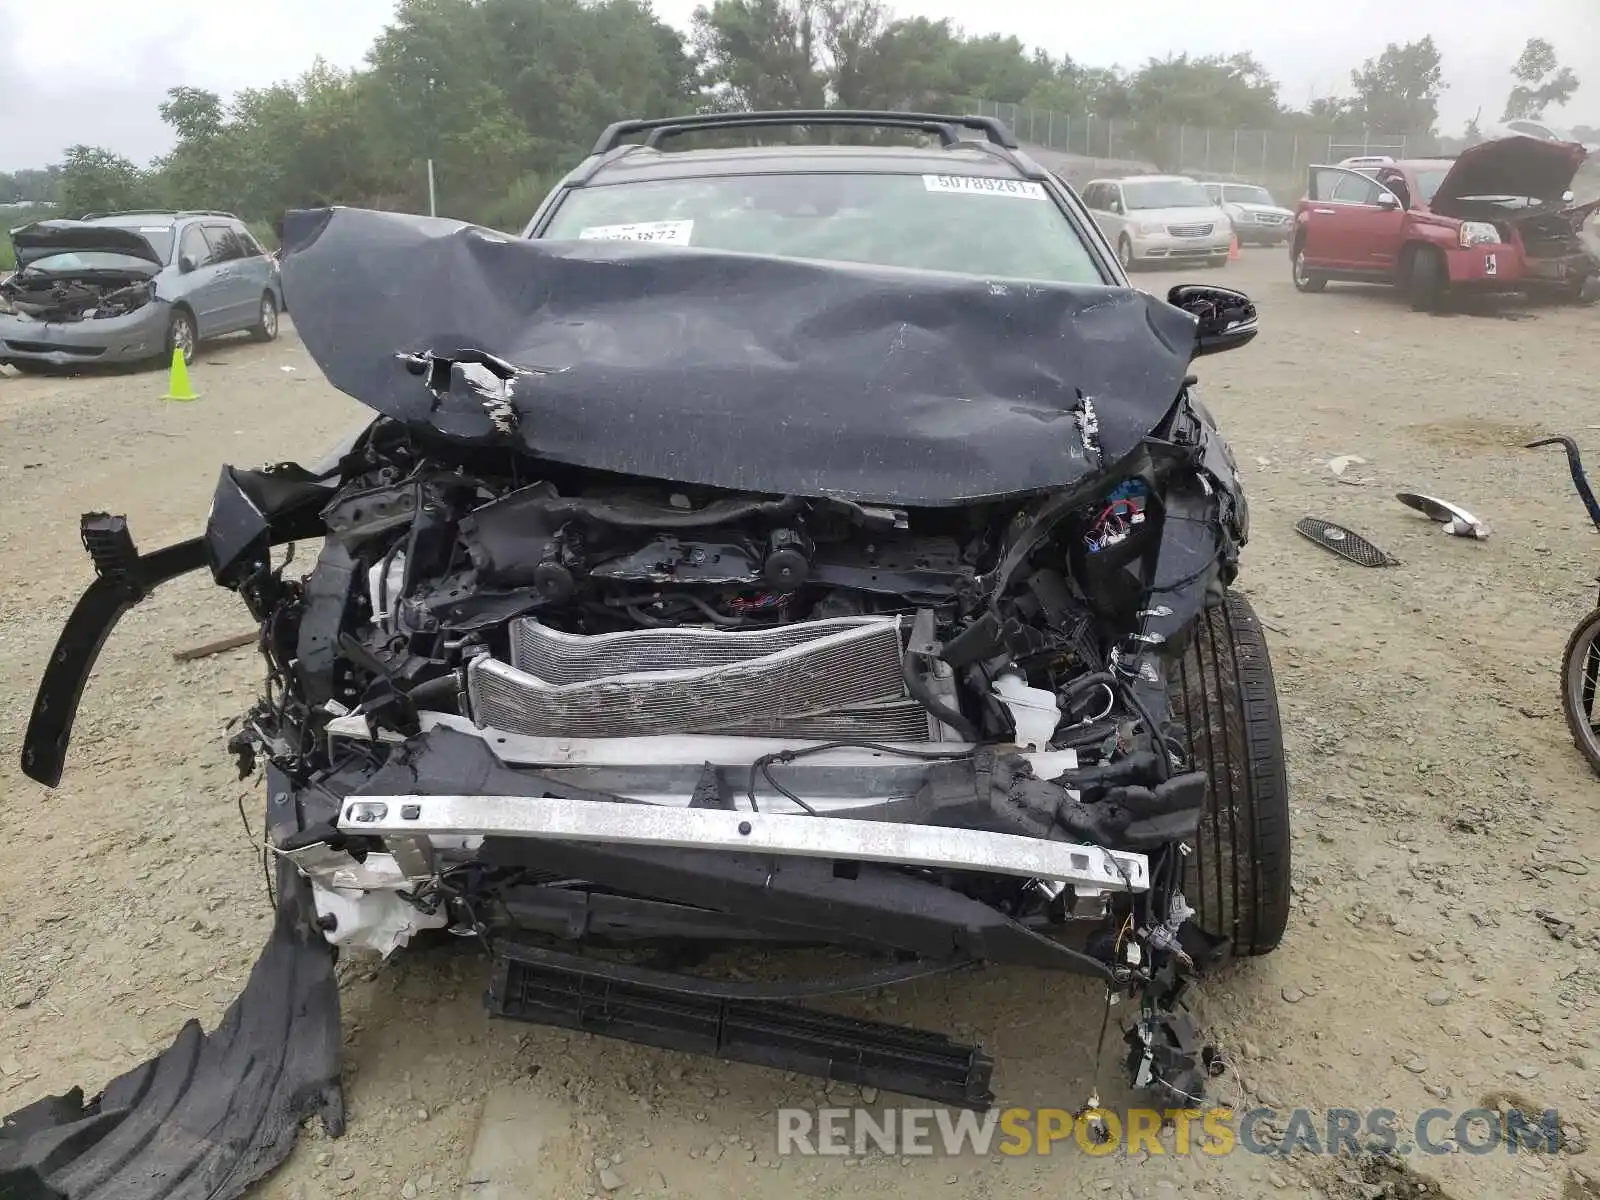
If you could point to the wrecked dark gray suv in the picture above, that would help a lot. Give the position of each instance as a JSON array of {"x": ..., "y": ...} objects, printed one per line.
[{"x": 847, "y": 565}]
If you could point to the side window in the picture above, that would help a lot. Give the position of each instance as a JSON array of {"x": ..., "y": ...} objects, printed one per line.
[
  {"x": 194, "y": 246},
  {"x": 1356, "y": 189},
  {"x": 1091, "y": 196},
  {"x": 225, "y": 242},
  {"x": 1396, "y": 183},
  {"x": 247, "y": 241}
]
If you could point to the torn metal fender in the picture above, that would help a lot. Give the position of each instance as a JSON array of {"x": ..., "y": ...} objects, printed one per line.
[
  {"x": 55, "y": 705},
  {"x": 213, "y": 1113}
]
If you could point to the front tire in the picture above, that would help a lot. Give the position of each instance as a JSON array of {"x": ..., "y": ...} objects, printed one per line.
[
  {"x": 1222, "y": 689},
  {"x": 1125, "y": 253},
  {"x": 1425, "y": 280},
  {"x": 182, "y": 334},
  {"x": 1579, "y": 291}
]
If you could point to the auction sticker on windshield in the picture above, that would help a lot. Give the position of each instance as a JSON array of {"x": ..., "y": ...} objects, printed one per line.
[
  {"x": 982, "y": 185},
  {"x": 673, "y": 233}
]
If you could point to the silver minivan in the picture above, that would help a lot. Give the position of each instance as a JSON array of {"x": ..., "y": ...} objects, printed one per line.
[{"x": 1159, "y": 218}]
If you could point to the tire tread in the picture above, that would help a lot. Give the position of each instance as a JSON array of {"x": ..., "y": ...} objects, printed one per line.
[{"x": 1223, "y": 692}]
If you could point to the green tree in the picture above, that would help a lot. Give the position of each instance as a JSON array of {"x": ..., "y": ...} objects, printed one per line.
[
  {"x": 31, "y": 186},
  {"x": 1078, "y": 90},
  {"x": 759, "y": 54},
  {"x": 996, "y": 68},
  {"x": 194, "y": 113},
  {"x": 94, "y": 179},
  {"x": 1233, "y": 91},
  {"x": 1541, "y": 82},
  {"x": 1398, "y": 92},
  {"x": 200, "y": 171},
  {"x": 907, "y": 64},
  {"x": 439, "y": 73}
]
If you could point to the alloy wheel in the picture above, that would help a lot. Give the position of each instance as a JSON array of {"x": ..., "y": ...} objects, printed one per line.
[{"x": 183, "y": 337}]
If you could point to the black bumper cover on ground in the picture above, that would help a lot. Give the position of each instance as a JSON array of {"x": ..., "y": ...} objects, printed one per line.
[{"x": 214, "y": 1112}]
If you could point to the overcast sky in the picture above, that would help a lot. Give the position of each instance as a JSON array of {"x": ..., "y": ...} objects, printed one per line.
[{"x": 94, "y": 70}]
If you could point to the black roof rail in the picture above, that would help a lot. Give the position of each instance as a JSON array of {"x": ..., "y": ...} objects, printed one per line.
[
  {"x": 946, "y": 134},
  {"x": 942, "y": 125}
]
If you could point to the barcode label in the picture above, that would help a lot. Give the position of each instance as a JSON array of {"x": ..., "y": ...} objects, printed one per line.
[
  {"x": 1021, "y": 189},
  {"x": 673, "y": 233}
]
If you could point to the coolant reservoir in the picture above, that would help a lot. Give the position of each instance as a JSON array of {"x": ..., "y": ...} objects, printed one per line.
[
  {"x": 383, "y": 588},
  {"x": 1033, "y": 710}
]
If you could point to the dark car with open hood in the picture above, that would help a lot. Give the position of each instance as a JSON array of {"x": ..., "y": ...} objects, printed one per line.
[{"x": 812, "y": 544}]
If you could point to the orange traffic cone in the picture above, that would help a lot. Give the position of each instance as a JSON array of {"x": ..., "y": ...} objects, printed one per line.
[{"x": 1233, "y": 249}]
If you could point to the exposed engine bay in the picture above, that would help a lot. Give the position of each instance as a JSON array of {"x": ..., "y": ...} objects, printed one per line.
[
  {"x": 47, "y": 296},
  {"x": 714, "y": 645},
  {"x": 1559, "y": 247},
  {"x": 600, "y": 641},
  {"x": 71, "y": 271}
]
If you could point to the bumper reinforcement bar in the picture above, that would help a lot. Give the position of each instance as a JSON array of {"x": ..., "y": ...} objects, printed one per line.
[
  {"x": 677, "y": 1012},
  {"x": 407, "y": 823}
]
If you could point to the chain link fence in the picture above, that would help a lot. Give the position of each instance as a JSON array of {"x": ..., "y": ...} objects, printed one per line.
[{"x": 1255, "y": 155}]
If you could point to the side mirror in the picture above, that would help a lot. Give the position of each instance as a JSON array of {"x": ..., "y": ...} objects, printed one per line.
[
  {"x": 186, "y": 263},
  {"x": 1566, "y": 197},
  {"x": 1114, "y": 206},
  {"x": 1388, "y": 200},
  {"x": 1225, "y": 319}
]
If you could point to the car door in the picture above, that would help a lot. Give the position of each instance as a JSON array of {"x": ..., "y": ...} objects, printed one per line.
[
  {"x": 239, "y": 294},
  {"x": 199, "y": 285},
  {"x": 1115, "y": 218},
  {"x": 1371, "y": 224},
  {"x": 1319, "y": 218},
  {"x": 1346, "y": 226}
]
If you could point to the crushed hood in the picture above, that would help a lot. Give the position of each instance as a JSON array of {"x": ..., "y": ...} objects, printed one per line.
[
  {"x": 1513, "y": 166},
  {"x": 733, "y": 370},
  {"x": 43, "y": 238}
]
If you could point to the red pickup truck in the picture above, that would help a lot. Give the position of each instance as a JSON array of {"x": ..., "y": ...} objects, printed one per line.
[{"x": 1497, "y": 218}]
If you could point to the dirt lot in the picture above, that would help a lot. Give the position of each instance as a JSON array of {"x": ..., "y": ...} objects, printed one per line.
[{"x": 1440, "y": 808}]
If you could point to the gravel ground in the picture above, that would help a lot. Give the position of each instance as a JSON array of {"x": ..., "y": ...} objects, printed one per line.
[{"x": 1441, "y": 951}]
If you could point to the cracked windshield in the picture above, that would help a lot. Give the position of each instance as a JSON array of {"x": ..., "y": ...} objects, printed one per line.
[{"x": 768, "y": 599}]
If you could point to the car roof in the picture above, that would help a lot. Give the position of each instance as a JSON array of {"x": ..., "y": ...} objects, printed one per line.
[
  {"x": 631, "y": 164},
  {"x": 1144, "y": 179},
  {"x": 153, "y": 216}
]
